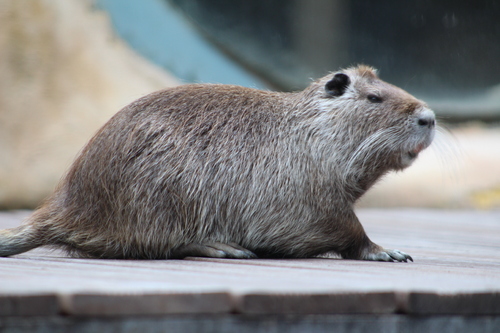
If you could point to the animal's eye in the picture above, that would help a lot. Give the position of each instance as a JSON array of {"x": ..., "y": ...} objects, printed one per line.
[{"x": 374, "y": 98}]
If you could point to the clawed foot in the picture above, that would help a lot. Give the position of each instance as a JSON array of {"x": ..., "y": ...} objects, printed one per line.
[
  {"x": 388, "y": 255},
  {"x": 213, "y": 250}
]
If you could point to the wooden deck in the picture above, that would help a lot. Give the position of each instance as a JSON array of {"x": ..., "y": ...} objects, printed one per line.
[{"x": 453, "y": 285}]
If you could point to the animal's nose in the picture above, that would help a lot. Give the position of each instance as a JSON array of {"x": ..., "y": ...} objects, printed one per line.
[{"x": 426, "y": 121}]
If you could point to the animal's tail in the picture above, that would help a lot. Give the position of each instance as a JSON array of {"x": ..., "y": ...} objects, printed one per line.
[{"x": 18, "y": 240}]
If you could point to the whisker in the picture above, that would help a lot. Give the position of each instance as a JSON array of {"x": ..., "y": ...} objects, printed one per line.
[
  {"x": 449, "y": 153},
  {"x": 364, "y": 151}
]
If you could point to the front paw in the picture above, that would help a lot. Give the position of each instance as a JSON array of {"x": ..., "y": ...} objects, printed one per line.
[{"x": 388, "y": 255}]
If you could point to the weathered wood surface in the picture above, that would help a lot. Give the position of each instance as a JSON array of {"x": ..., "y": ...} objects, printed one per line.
[{"x": 456, "y": 272}]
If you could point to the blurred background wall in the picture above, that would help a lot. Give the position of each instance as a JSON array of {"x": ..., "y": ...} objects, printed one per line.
[{"x": 66, "y": 66}]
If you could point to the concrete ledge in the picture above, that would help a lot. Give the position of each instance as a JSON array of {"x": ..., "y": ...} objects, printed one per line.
[{"x": 255, "y": 324}]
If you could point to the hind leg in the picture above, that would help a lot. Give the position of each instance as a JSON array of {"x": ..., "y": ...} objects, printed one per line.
[{"x": 212, "y": 250}]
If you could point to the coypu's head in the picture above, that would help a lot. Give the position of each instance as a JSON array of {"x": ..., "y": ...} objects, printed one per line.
[{"x": 376, "y": 123}]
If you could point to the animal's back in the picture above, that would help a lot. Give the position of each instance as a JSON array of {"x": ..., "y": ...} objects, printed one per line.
[{"x": 172, "y": 168}]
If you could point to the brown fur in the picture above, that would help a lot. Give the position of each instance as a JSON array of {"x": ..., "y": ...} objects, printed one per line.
[{"x": 226, "y": 171}]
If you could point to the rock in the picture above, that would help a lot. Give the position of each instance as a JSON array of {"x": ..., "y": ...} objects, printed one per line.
[{"x": 64, "y": 74}]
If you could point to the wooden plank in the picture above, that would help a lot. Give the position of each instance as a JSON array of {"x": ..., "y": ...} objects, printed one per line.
[
  {"x": 335, "y": 303},
  {"x": 29, "y": 305},
  {"x": 463, "y": 304},
  {"x": 456, "y": 253},
  {"x": 146, "y": 304}
]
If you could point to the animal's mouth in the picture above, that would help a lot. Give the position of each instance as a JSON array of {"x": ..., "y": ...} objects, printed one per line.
[{"x": 414, "y": 153}]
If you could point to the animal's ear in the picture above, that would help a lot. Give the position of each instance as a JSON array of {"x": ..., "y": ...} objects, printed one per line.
[{"x": 338, "y": 85}]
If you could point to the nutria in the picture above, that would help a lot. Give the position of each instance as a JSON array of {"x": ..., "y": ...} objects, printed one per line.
[{"x": 226, "y": 171}]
